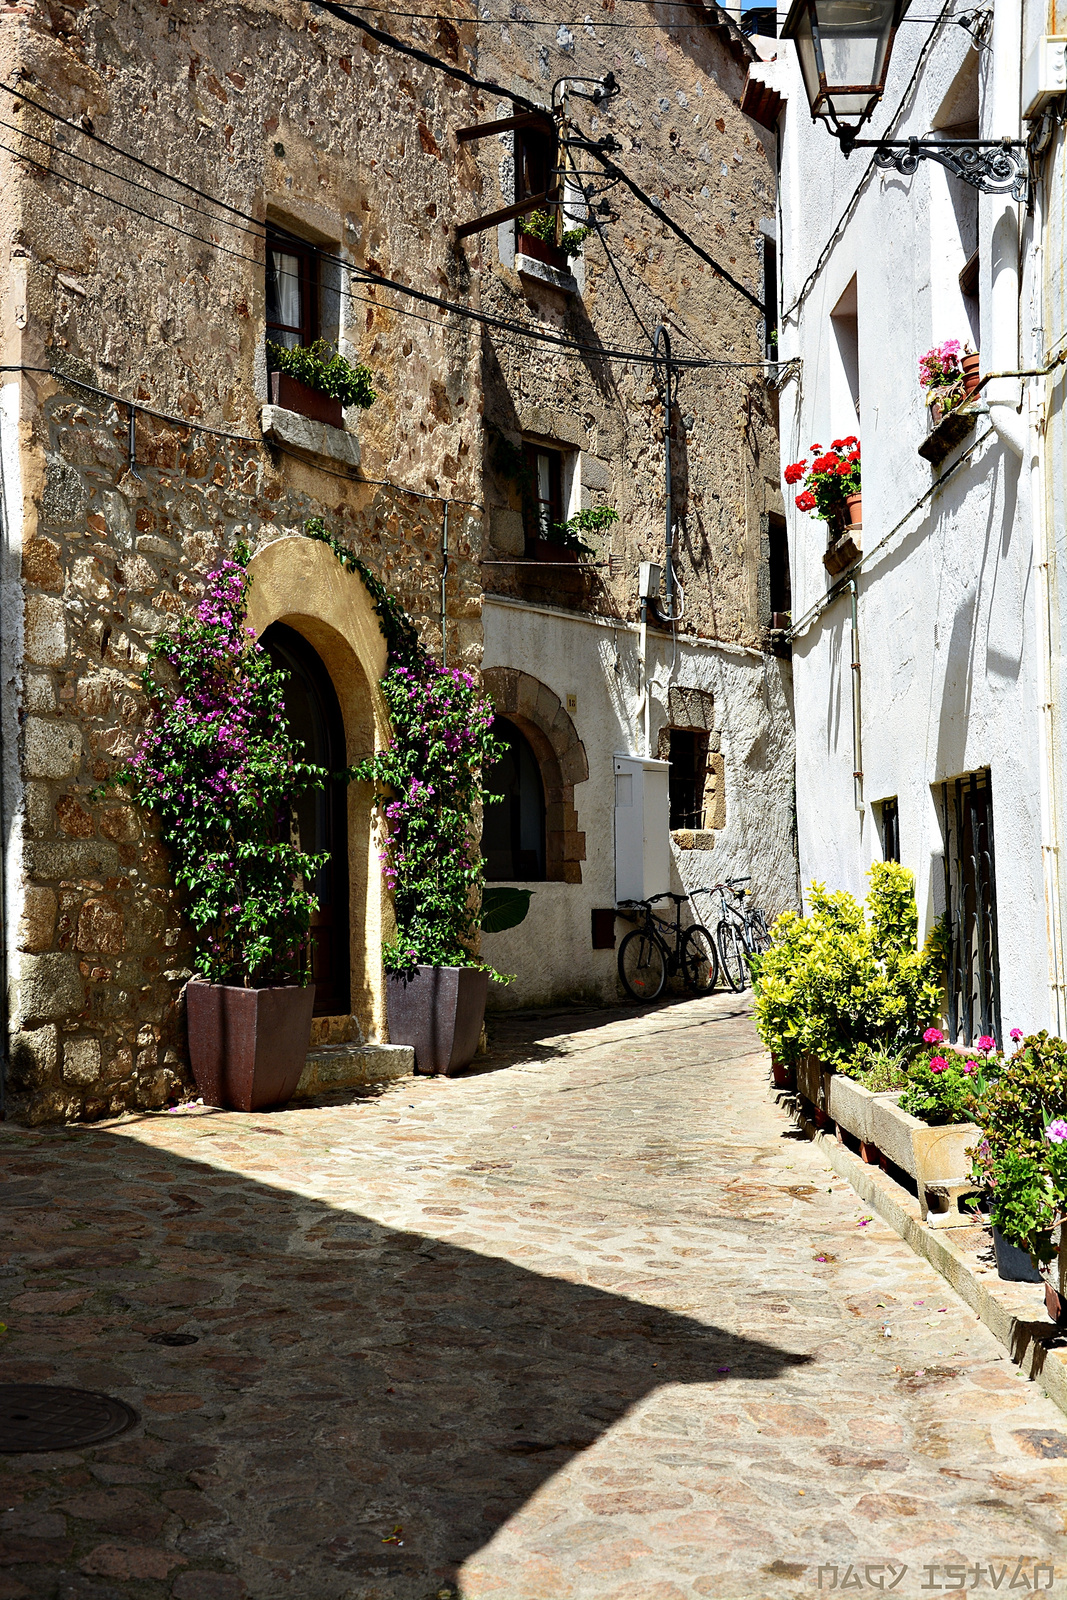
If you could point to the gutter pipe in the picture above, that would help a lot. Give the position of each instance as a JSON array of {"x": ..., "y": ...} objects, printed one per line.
[{"x": 857, "y": 731}]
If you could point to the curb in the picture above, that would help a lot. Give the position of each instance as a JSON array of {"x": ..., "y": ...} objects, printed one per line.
[{"x": 1014, "y": 1313}]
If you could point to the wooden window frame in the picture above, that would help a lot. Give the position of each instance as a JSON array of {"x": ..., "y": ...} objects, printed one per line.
[{"x": 308, "y": 329}]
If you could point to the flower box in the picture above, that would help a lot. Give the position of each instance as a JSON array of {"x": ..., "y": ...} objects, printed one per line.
[
  {"x": 539, "y": 250},
  {"x": 843, "y": 551},
  {"x": 935, "y": 1157},
  {"x": 813, "y": 1085},
  {"x": 548, "y": 550},
  {"x": 952, "y": 429},
  {"x": 292, "y": 395}
]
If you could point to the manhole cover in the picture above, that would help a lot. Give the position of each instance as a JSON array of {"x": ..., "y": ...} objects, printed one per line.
[{"x": 42, "y": 1416}]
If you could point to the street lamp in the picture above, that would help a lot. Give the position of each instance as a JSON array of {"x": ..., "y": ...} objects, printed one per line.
[{"x": 844, "y": 47}]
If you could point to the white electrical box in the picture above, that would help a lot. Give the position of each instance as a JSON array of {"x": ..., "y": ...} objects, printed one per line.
[
  {"x": 642, "y": 828},
  {"x": 1045, "y": 74}
]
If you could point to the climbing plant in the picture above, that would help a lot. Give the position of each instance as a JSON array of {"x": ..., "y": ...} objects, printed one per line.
[{"x": 428, "y": 783}]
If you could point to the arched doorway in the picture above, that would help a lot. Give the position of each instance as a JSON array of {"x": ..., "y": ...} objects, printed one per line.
[
  {"x": 513, "y": 827},
  {"x": 314, "y": 716}
]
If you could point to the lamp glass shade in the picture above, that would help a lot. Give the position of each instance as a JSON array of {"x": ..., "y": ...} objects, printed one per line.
[{"x": 843, "y": 47}]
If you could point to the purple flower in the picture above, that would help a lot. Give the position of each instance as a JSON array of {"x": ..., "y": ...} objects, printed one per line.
[{"x": 1056, "y": 1132}]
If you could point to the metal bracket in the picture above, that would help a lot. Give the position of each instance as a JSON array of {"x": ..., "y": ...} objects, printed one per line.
[{"x": 989, "y": 165}]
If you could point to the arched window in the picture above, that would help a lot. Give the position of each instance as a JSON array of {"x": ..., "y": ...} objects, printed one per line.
[
  {"x": 314, "y": 716},
  {"x": 513, "y": 828}
]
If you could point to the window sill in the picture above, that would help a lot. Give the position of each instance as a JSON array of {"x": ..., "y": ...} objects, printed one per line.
[
  {"x": 541, "y": 272},
  {"x": 693, "y": 838},
  {"x": 308, "y": 437}
]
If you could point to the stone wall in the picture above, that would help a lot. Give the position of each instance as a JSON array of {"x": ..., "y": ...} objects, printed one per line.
[{"x": 261, "y": 109}]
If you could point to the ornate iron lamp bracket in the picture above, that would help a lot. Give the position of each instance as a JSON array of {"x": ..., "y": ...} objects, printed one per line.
[{"x": 989, "y": 165}]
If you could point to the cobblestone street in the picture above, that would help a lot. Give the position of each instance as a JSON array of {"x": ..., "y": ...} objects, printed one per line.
[{"x": 593, "y": 1321}]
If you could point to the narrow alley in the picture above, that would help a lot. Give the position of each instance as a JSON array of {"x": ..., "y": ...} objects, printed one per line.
[{"x": 594, "y": 1320}]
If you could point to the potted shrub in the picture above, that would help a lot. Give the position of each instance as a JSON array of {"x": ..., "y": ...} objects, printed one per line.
[
  {"x": 428, "y": 794},
  {"x": 832, "y": 491},
  {"x": 221, "y": 771},
  {"x": 317, "y": 382}
]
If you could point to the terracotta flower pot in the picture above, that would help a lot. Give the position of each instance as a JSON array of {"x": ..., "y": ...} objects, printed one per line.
[
  {"x": 854, "y": 509},
  {"x": 972, "y": 376},
  {"x": 439, "y": 1012},
  {"x": 292, "y": 395},
  {"x": 549, "y": 550},
  {"x": 248, "y": 1047}
]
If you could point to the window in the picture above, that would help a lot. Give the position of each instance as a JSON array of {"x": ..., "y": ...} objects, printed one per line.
[
  {"x": 779, "y": 588},
  {"x": 845, "y": 361},
  {"x": 535, "y": 162},
  {"x": 543, "y": 499},
  {"x": 971, "y": 902},
  {"x": 770, "y": 291},
  {"x": 890, "y": 823},
  {"x": 292, "y": 291},
  {"x": 513, "y": 827},
  {"x": 688, "y": 758}
]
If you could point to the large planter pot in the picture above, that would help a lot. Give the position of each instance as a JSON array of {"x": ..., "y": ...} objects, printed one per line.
[
  {"x": 783, "y": 1073},
  {"x": 1013, "y": 1263},
  {"x": 935, "y": 1157},
  {"x": 1055, "y": 1276},
  {"x": 292, "y": 395},
  {"x": 439, "y": 1012},
  {"x": 854, "y": 510},
  {"x": 248, "y": 1047},
  {"x": 813, "y": 1085}
]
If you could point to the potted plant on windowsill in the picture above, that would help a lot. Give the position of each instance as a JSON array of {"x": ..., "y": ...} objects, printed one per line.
[
  {"x": 565, "y": 541},
  {"x": 537, "y": 239},
  {"x": 832, "y": 491},
  {"x": 950, "y": 376},
  {"x": 428, "y": 783},
  {"x": 317, "y": 382},
  {"x": 221, "y": 771}
]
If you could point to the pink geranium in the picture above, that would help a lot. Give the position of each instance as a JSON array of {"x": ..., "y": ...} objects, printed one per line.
[
  {"x": 970, "y": 1066},
  {"x": 938, "y": 1064},
  {"x": 933, "y": 1036},
  {"x": 986, "y": 1044},
  {"x": 1016, "y": 1034}
]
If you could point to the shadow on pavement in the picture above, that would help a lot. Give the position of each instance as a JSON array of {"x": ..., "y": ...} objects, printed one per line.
[{"x": 351, "y": 1385}]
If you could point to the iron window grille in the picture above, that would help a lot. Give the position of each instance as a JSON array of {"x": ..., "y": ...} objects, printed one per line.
[{"x": 971, "y": 905}]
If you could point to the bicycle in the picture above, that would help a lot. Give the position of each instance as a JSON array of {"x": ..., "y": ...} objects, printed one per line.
[
  {"x": 741, "y": 931},
  {"x": 646, "y": 959}
]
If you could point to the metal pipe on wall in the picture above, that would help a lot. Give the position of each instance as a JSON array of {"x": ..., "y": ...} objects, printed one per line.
[{"x": 857, "y": 732}]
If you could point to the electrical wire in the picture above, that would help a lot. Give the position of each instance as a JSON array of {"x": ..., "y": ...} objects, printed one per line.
[
  {"x": 379, "y": 280},
  {"x": 361, "y": 274}
]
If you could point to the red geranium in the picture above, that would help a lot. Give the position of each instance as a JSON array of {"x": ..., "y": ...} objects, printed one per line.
[{"x": 829, "y": 480}]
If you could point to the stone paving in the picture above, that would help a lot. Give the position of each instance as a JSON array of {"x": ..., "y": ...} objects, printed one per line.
[{"x": 590, "y": 1323}]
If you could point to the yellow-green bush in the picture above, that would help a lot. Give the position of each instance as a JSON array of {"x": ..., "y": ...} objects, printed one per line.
[{"x": 835, "y": 981}]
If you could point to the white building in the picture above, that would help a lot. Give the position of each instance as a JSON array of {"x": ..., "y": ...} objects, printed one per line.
[{"x": 928, "y": 677}]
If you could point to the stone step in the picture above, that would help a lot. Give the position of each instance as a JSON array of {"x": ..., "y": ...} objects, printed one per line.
[{"x": 349, "y": 1066}]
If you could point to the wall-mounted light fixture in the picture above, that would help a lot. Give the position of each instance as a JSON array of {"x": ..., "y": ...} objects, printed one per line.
[{"x": 844, "y": 48}]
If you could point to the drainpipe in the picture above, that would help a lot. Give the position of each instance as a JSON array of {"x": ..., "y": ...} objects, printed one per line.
[
  {"x": 857, "y": 744},
  {"x": 1005, "y": 121},
  {"x": 444, "y": 580},
  {"x": 666, "y": 612}
]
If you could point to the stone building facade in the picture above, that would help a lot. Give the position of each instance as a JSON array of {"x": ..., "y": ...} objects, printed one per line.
[{"x": 164, "y": 150}]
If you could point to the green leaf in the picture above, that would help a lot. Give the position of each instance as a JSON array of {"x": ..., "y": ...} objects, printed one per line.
[{"x": 503, "y": 908}]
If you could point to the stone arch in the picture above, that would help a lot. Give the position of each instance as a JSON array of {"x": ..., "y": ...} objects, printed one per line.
[
  {"x": 533, "y": 707},
  {"x": 300, "y": 582}
]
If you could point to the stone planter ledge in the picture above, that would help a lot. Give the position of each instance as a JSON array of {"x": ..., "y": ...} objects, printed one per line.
[{"x": 1013, "y": 1312}]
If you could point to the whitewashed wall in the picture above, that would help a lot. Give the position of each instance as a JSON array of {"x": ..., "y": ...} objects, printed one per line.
[
  {"x": 551, "y": 952},
  {"x": 949, "y": 640}
]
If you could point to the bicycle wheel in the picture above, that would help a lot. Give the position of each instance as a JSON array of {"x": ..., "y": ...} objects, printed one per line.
[
  {"x": 761, "y": 936},
  {"x": 700, "y": 960},
  {"x": 732, "y": 956},
  {"x": 642, "y": 964}
]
